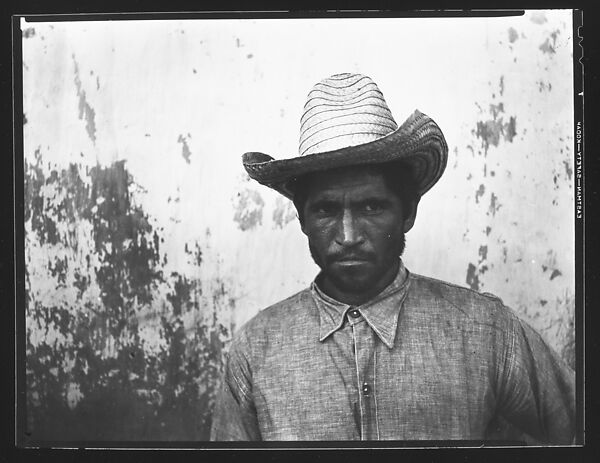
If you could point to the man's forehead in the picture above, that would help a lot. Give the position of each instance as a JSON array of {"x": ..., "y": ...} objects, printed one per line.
[{"x": 349, "y": 179}]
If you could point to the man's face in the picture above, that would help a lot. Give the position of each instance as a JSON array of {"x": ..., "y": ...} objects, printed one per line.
[{"x": 355, "y": 227}]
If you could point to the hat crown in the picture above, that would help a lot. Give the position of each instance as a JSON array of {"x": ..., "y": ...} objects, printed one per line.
[{"x": 341, "y": 111}]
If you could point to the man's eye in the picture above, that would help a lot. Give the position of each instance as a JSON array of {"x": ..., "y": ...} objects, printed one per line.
[
  {"x": 323, "y": 209},
  {"x": 372, "y": 207}
]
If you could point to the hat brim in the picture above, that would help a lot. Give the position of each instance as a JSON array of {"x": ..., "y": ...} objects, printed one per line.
[{"x": 418, "y": 142}]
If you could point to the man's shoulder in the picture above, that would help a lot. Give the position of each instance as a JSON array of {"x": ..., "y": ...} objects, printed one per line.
[
  {"x": 469, "y": 302},
  {"x": 281, "y": 313},
  {"x": 451, "y": 290}
]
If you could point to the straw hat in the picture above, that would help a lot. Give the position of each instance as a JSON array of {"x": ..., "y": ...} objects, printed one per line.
[{"x": 346, "y": 122}]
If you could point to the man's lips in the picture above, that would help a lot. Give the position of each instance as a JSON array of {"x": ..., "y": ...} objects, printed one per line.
[{"x": 350, "y": 260}]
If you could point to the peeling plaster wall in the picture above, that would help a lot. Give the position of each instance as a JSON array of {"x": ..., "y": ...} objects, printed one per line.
[{"x": 147, "y": 245}]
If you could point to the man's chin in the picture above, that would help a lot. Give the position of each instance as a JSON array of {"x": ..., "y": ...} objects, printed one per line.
[{"x": 352, "y": 284}]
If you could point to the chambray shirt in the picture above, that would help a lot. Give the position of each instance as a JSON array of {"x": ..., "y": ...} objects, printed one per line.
[{"x": 424, "y": 359}]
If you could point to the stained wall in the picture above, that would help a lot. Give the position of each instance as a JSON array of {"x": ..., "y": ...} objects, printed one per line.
[{"x": 147, "y": 246}]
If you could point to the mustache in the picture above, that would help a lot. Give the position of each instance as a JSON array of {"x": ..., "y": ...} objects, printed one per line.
[{"x": 324, "y": 260}]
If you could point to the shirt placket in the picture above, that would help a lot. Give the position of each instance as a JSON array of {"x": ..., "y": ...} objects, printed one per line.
[{"x": 364, "y": 340}]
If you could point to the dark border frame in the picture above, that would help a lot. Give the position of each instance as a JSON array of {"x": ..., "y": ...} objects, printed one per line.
[{"x": 582, "y": 328}]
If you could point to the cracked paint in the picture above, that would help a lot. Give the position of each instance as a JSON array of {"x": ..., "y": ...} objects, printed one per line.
[
  {"x": 107, "y": 351},
  {"x": 510, "y": 129},
  {"x": 555, "y": 273},
  {"x": 550, "y": 264},
  {"x": 248, "y": 209},
  {"x": 472, "y": 277},
  {"x": 493, "y": 130},
  {"x": 483, "y": 253},
  {"x": 568, "y": 169},
  {"x": 538, "y": 17},
  {"x": 185, "y": 149},
  {"x": 549, "y": 45},
  {"x": 544, "y": 87},
  {"x": 28, "y": 33},
  {"x": 494, "y": 205},
  {"x": 480, "y": 192},
  {"x": 85, "y": 110}
]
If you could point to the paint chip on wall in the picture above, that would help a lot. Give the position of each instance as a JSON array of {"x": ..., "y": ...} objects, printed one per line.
[
  {"x": 85, "y": 110},
  {"x": 248, "y": 209},
  {"x": 185, "y": 149},
  {"x": 29, "y": 32}
]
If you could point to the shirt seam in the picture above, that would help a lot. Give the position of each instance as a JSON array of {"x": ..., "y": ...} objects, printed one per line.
[
  {"x": 509, "y": 356},
  {"x": 360, "y": 399},
  {"x": 491, "y": 296},
  {"x": 375, "y": 390}
]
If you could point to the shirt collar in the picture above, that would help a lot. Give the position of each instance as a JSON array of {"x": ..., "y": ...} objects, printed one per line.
[{"x": 381, "y": 312}]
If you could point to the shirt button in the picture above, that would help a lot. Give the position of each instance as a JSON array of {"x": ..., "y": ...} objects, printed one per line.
[
  {"x": 354, "y": 313},
  {"x": 366, "y": 388}
]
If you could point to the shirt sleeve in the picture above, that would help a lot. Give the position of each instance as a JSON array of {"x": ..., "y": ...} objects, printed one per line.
[
  {"x": 536, "y": 387},
  {"x": 234, "y": 415}
]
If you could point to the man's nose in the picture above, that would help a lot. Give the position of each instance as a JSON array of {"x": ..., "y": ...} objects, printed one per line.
[{"x": 348, "y": 231}]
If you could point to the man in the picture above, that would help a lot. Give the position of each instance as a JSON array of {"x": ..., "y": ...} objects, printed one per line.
[{"x": 372, "y": 351}]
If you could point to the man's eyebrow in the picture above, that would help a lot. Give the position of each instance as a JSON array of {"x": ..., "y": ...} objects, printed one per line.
[
  {"x": 320, "y": 202},
  {"x": 324, "y": 196},
  {"x": 383, "y": 201}
]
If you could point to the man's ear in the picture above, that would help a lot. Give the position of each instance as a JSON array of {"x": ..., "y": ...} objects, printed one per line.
[{"x": 409, "y": 220}]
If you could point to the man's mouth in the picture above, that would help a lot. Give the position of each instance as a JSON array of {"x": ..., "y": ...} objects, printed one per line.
[
  {"x": 350, "y": 260},
  {"x": 349, "y": 263}
]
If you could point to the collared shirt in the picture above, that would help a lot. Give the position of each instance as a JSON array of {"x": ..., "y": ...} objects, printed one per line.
[{"x": 424, "y": 359}]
